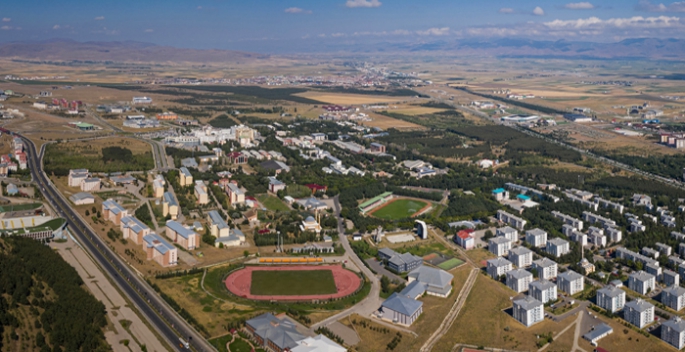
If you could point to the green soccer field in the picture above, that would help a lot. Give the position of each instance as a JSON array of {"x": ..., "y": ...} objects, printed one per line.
[
  {"x": 399, "y": 209},
  {"x": 292, "y": 283},
  {"x": 450, "y": 264}
]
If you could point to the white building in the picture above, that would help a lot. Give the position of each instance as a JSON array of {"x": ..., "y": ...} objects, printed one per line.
[
  {"x": 557, "y": 247},
  {"x": 499, "y": 246},
  {"x": 611, "y": 298},
  {"x": 536, "y": 237},
  {"x": 508, "y": 232},
  {"x": 528, "y": 311},
  {"x": 546, "y": 268},
  {"x": 639, "y": 313},
  {"x": 673, "y": 332},
  {"x": 641, "y": 282},
  {"x": 543, "y": 290},
  {"x": 498, "y": 267},
  {"x": 519, "y": 279},
  {"x": 522, "y": 257},
  {"x": 510, "y": 219},
  {"x": 673, "y": 297},
  {"x": 76, "y": 176},
  {"x": 570, "y": 282}
]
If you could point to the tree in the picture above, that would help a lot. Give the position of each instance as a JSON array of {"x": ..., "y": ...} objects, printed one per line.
[
  {"x": 246, "y": 253},
  {"x": 87, "y": 212},
  {"x": 385, "y": 284}
]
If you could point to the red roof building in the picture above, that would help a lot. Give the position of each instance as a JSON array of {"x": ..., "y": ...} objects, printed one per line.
[{"x": 316, "y": 188}]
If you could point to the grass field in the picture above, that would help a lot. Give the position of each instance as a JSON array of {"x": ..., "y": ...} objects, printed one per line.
[
  {"x": 399, "y": 209},
  {"x": 19, "y": 207},
  {"x": 450, "y": 264},
  {"x": 292, "y": 283},
  {"x": 272, "y": 203}
]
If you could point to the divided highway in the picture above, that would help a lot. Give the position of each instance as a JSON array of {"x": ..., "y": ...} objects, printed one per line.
[{"x": 163, "y": 319}]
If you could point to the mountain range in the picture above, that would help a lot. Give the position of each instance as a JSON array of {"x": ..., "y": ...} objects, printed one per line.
[{"x": 131, "y": 51}]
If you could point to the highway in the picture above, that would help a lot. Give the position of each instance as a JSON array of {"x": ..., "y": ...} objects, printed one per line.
[{"x": 162, "y": 318}]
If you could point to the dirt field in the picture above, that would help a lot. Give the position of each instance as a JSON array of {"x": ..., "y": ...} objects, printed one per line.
[
  {"x": 385, "y": 122},
  {"x": 416, "y": 110}
]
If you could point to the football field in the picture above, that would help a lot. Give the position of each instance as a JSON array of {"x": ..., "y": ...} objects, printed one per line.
[
  {"x": 400, "y": 209},
  {"x": 292, "y": 282}
]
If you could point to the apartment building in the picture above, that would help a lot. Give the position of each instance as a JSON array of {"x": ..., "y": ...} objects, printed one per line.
[
  {"x": 536, "y": 237},
  {"x": 611, "y": 298},
  {"x": 570, "y": 282},
  {"x": 185, "y": 237},
  {"x": 543, "y": 290},
  {"x": 546, "y": 268},
  {"x": 497, "y": 267}
]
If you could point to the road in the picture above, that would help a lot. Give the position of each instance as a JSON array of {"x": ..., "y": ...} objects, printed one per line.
[
  {"x": 373, "y": 301},
  {"x": 164, "y": 319}
]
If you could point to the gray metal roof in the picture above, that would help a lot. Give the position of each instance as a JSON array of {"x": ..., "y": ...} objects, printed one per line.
[
  {"x": 544, "y": 262},
  {"x": 639, "y": 305},
  {"x": 113, "y": 206},
  {"x": 611, "y": 291},
  {"x": 498, "y": 262},
  {"x": 507, "y": 229},
  {"x": 500, "y": 240},
  {"x": 542, "y": 285},
  {"x": 557, "y": 241},
  {"x": 80, "y": 196},
  {"x": 676, "y": 291},
  {"x": 569, "y": 275},
  {"x": 641, "y": 276},
  {"x": 169, "y": 198},
  {"x": 179, "y": 229},
  {"x": 401, "y": 259},
  {"x": 185, "y": 172},
  {"x": 677, "y": 324},
  {"x": 520, "y": 251},
  {"x": 431, "y": 277},
  {"x": 402, "y": 304},
  {"x": 216, "y": 219},
  {"x": 536, "y": 232},
  {"x": 527, "y": 303},
  {"x": 599, "y": 331},
  {"x": 519, "y": 274},
  {"x": 414, "y": 289},
  {"x": 156, "y": 241},
  {"x": 281, "y": 332}
]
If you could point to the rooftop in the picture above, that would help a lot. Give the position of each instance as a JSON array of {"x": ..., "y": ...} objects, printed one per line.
[
  {"x": 527, "y": 303},
  {"x": 402, "y": 304}
]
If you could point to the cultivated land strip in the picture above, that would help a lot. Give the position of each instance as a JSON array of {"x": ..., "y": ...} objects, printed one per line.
[{"x": 453, "y": 313}]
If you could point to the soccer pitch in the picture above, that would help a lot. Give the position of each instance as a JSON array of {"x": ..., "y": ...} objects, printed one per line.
[
  {"x": 292, "y": 282},
  {"x": 399, "y": 209}
]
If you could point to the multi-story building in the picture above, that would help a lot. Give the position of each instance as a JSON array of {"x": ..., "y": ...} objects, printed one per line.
[
  {"x": 235, "y": 194},
  {"x": 536, "y": 237},
  {"x": 546, "y": 268},
  {"x": 522, "y": 257},
  {"x": 275, "y": 333},
  {"x": 557, "y": 247},
  {"x": 500, "y": 194},
  {"x": 519, "y": 279},
  {"x": 76, "y": 176},
  {"x": 499, "y": 246},
  {"x": 508, "y": 232},
  {"x": 465, "y": 239},
  {"x": 543, "y": 290},
  {"x": 217, "y": 225},
  {"x": 597, "y": 239},
  {"x": 185, "y": 177},
  {"x": 641, "y": 282},
  {"x": 576, "y": 223},
  {"x": 510, "y": 219},
  {"x": 159, "y": 250},
  {"x": 639, "y": 313},
  {"x": 399, "y": 262},
  {"x": 170, "y": 206},
  {"x": 528, "y": 311},
  {"x": 90, "y": 184},
  {"x": 673, "y": 297},
  {"x": 185, "y": 237},
  {"x": 611, "y": 298},
  {"x": 158, "y": 186},
  {"x": 497, "y": 267},
  {"x": 623, "y": 253},
  {"x": 673, "y": 332},
  {"x": 112, "y": 211},
  {"x": 201, "y": 193},
  {"x": 670, "y": 278},
  {"x": 614, "y": 234},
  {"x": 133, "y": 229},
  {"x": 649, "y": 252},
  {"x": 570, "y": 282},
  {"x": 664, "y": 249}
]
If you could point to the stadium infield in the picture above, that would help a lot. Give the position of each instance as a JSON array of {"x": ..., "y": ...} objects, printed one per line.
[
  {"x": 400, "y": 208},
  {"x": 293, "y": 282}
]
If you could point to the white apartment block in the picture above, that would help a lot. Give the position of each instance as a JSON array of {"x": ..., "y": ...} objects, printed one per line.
[
  {"x": 673, "y": 332},
  {"x": 508, "y": 232},
  {"x": 611, "y": 298},
  {"x": 510, "y": 219},
  {"x": 570, "y": 282},
  {"x": 528, "y": 311},
  {"x": 673, "y": 297},
  {"x": 598, "y": 240},
  {"x": 519, "y": 279},
  {"x": 639, "y": 313},
  {"x": 614, "y": 234},
  {"x": 536, "y": 237},
  {"x": 557, "y": 247},
  {"x": 543, "y": 290},
  {"x": 664, "y": 249},
  {"x": 569, "y": 220},
  {"x": 498, "y": 267},
  {"x": 499, "y": 246},
  {"x": 90, "y": 184},
  {"x": 76, "y": 176},
  {"x": 546, "y": 268},
  {"x": 670, "y": 278},
  {"x": 522, "y": 257},
  {"x": 641, "y": 282}
]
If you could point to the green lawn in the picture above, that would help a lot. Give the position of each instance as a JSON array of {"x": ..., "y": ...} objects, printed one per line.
[
  {"x": 450, "y": 264},
  {"x": 399, "y": 209},
  {"x": 239, "y": 345},
  {"x": 272, "y": 203},
  {"x": 292, "y": 283},
  {"x": 19, "y": 207}
]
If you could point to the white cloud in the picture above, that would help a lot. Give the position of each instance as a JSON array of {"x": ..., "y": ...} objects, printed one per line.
[
  {"x": 637, "y": 22},
  {"x": 435, "y": 31},
  {"x": 149, "y": 30},
  {"x": 99, "y": 18},
  {"x": 506, "y": 10},
  {"x": 363, "y": 3},
  {"x": 199, "y": 7},
  {"x": 6, "y": 19},
  {"x": 338, "y": 35},
  {"x": 56, "y": 27},
  {"x": 296, "y": 10},
  {"x": 579, "y": 6},
  {"x": 6, "y": 28},
  {"x": 646, "y": 5},
  {"x": 538, "y": 11},
  {"x": 322, "y": 35}
]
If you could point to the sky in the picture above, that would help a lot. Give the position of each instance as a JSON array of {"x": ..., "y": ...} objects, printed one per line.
[{"x": 272, "y": 26}]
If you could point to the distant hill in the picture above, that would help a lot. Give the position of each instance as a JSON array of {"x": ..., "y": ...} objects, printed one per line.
[
  {"x": 641, "y": 48},
  {"x": 127, "y": 51}
]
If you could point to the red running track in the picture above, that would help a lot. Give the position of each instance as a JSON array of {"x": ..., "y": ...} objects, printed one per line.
[{"x": 346, "y": 282}]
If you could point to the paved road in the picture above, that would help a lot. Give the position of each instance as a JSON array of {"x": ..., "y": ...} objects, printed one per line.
[
  {"x": 166, "y": 321},
  {"x": 373, "y": 301}
]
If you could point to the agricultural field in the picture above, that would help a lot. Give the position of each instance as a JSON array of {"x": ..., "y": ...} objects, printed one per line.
[
  {"x": 400, "y": 209},
  {"x": 350, "y": 99},
  {"x": 272, "y": 203},
  {"x": 292, "y": 283},
  {"x": 99, "y": 155}
]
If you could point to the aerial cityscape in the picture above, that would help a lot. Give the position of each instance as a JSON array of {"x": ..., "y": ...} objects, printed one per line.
[{"x": 348, "y": 175}]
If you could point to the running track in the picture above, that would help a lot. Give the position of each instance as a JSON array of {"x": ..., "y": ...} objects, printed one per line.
[{"x": 346, "y": 282}]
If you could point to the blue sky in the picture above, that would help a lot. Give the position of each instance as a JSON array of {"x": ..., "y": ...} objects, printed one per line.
[{"x": 292, "y": 25}]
